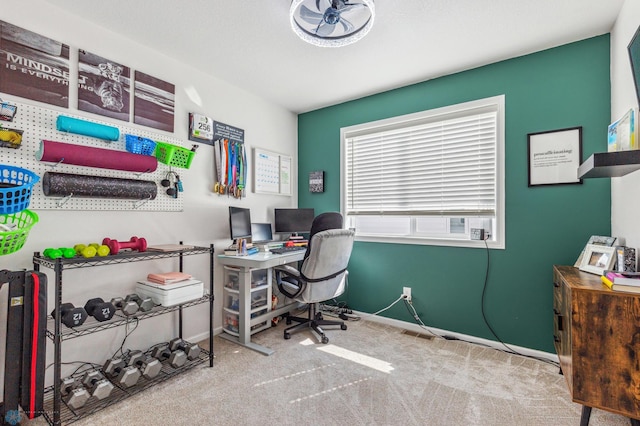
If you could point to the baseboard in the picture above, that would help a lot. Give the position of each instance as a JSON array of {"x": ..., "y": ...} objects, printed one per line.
[
  {"x": 404, "y": 325},
  {"x": 204, "y": 336},
  {"x": 473, "y": 339}
]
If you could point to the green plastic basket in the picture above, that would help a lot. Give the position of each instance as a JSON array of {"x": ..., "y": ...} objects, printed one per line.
[
  {"x": 13, "y": 240},
  {"x": 174, "y": 155}
]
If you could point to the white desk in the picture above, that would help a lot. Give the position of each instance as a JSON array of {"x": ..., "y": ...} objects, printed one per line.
[{"x": 247, "y": 264}]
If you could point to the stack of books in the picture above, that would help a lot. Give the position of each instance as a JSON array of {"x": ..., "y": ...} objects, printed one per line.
[
  {"x": 233, "y": 250},
  {"x": 622, "y": 281}
]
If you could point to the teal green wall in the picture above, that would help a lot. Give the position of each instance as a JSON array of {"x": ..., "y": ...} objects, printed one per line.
[{"x": 557, "y": 88}]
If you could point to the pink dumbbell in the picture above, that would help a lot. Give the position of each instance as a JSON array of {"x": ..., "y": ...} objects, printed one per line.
[{"x": 135, "y": 243}]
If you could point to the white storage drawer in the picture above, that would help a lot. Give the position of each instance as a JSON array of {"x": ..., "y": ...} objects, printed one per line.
[{"x": 171, "y": 294}]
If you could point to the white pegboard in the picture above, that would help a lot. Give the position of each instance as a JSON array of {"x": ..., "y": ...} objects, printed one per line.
[{"x": 40, "y": 123}]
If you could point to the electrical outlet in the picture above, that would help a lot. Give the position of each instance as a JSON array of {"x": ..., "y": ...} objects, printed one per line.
[{"x": 406, "y": 293}]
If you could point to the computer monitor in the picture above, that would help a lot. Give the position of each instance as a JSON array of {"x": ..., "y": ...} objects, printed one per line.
[
  {"x": 261, "y": 233},
  {"x": 293, "y": 221},
  {"x": 239, "y": 222}
]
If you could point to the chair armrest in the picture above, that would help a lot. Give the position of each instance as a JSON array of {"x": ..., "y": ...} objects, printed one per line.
[
  {"x": 287, "y": 269},
  {"x": 288, "y": 281}
]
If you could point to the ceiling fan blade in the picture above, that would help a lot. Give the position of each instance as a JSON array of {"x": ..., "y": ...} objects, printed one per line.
[
  {"x": 327, "y": 5},
  {"x": 324, "y": 29},
  {"x": 310, "y": 16},
  {"x": 348, "y": 26},
  {"x": 350, "y": 7}
]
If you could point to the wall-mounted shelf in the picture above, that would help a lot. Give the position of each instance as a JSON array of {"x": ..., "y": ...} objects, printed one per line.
[{"x": 610, "y": 164}]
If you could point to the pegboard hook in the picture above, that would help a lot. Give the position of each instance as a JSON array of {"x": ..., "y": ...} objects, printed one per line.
[
  {"x": 140, "y": 174},
  {"x": 140, "y": 203},
  {"x": 61, "y": 202},
  {"x": 53, "y": 166}
]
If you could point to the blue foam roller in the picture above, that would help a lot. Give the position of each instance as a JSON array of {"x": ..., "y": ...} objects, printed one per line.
[{"x": 87, "y": 128}]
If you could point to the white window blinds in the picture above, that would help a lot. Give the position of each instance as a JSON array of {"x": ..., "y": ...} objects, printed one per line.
[{"x": 444, "y": 167}]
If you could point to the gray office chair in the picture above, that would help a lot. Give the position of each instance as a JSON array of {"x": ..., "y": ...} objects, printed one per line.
[{"x": 322, "y": 275}]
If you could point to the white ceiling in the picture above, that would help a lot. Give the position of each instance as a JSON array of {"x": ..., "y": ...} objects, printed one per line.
[{"x": 251, "y": 45}]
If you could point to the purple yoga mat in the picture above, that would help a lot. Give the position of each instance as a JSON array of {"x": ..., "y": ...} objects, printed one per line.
[{"x": 79, "y": 155}]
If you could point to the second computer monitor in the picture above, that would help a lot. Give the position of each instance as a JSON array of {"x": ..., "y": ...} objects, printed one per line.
[
  {"x": 261, "y": 233},
  {"x": 293, "y": 221},
  {"x": 239, "y": 222}
]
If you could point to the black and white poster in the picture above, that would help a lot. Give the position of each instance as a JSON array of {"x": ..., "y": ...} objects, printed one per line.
[
  {"x": 104, "y": 86},
  {"x": 154, "y": 102},
  {"x": 33, "y": 66}
]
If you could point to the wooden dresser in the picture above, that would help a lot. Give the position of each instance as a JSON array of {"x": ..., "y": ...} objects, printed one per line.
[{"x": 597, "y": 338}]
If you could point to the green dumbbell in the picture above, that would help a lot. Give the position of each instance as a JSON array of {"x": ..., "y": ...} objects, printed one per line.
[
  {"x": 52, "y": 253},
  {"x": 65, "y": 252}
]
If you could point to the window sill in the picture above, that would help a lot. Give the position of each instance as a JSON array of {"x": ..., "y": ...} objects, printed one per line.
[{"x": 496, "y": 245}]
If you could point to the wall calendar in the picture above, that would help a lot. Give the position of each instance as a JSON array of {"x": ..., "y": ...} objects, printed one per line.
[{"x": 272, "y": 172}]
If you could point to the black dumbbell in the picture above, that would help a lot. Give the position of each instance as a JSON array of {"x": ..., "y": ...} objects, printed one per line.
[
  {"x": 99, "y": 309},
  {"x": 192, "y": 350},
  {"x": 96, "y": 384},
  {"x": 123, "y": 374},
  {"x": 149, "y": 366},
  {"x": 144, "y": 304},
  {"x": 176, "y": 358},
  {"x": 73, "y": 394},
  {"x": 70, "y": 315},
  {"x": 127, "y": 307}
]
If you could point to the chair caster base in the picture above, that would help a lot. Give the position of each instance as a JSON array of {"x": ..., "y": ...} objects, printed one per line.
[
  {"x": 287, "y": 336},
  {"x": 343, "y": 326},
  {"x": 325, "y": 339}
]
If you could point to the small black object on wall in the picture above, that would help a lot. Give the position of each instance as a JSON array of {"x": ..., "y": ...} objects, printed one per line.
[{"x": 316, "y": 181}]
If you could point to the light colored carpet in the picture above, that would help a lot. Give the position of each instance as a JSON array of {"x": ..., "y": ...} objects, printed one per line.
[{"x": 370, "y": 374}]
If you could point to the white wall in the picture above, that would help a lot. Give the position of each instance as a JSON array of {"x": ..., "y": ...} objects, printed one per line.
[
  {"x": 205, "y": 216},
  {"x": 625, "y": 192}
]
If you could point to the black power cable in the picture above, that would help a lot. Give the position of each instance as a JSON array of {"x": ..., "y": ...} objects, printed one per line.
[{"x": 486, "y": 321}]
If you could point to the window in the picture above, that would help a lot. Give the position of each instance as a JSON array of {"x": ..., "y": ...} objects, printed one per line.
[{"x": 428, "y": 177}]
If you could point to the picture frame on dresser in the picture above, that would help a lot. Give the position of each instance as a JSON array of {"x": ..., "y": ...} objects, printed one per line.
[
  {"x": 598, "y": 258},
  {"x": 599, "y": 240}
]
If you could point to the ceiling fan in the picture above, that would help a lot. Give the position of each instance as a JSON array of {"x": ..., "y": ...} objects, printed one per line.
[{"x": 331, "y": 23}]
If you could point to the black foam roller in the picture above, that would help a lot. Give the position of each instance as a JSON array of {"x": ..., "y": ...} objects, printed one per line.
[{"x": 85, "y": 186}]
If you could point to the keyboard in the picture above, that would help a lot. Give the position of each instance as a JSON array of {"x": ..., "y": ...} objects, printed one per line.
[{"x": 284, "y": 250}]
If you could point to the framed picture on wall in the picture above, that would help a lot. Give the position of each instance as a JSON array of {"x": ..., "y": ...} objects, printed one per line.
[
  {"x": 598, "y": 258},
  {"x": 554, "y": 156},
  {"x": 634, "y": 58}
]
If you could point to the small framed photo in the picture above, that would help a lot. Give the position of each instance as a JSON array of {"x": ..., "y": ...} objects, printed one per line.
[
  {"x": 600, "y": 240},
  {"x": 554, "y": 156},
  {"x": 598, "y": 258}
]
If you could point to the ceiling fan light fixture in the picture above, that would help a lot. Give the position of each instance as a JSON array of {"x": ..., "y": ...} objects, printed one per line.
[{"x": 332, "y": 23}]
